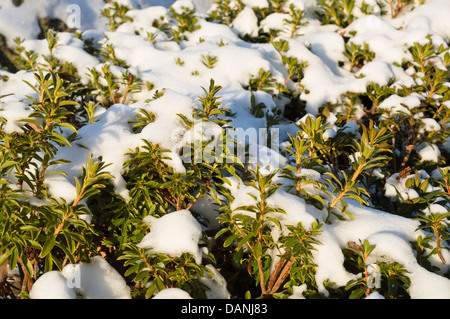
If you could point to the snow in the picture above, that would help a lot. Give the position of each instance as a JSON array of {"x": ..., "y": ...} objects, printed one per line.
[
  {"x": 388, "y": 42},
  {"x": 391, "y": 234},
  {"x": 246, "y": 22},
  {"x": 298, "y": 292},
  {"x": 216, "y": 283},
  {"x": 52, "y": 285},
  {"x": 96, "y": 280},
  {"x": 424, "y": 284},
  {"x": 275, "y": 21},
  {"x": 430, "y": 125},
  {"x": 431, "y": 16},
  {"x": 256, "y": 3},
  {"x": 325, "y": 80},
  {"x": 207, "y": 207},
  {"x": 60, "y": 187},
  {"x": 435, "y": 209},
  {"x": 142, "y": 21},
  {"x": 13, "y": 112},
  {"x": 26, "y": 29},
  {"x": 172, "y": 293},
  {"x": 322, "y": 70},
  {"x": 26, "y": 26},
  {"x": 15, "y": 87},
  {"x": 181, "y": 5},
  {"x": 93, "y": 280},
  {"x": 397, "y": 104},
  {"x": 396, "y": 183},
  {"x": 68, "y": 49},
  {"x": 330, "y": 262},
  {"x": 375, "y": 295},
  {"x": 173, "y": 234},
  {"x": 429, "y": 152}
]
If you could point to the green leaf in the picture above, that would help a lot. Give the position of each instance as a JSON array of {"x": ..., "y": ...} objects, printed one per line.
[
  {"x": 131, "y": 270},
  {"x": 68, "y": 103},
  {"x": 27, "y": 228},
  {"x": 48, "y": 265},
  {"x": 230, "y": 240},
  {"x": 60, "y": 139},
  {"x": 275, "y": 221},
  {"x": 32, "y": 121},
  {"x": 67, "y": 251},
  {"x": 4, "y": 257},
  {"x": 13, "y": 258},
  {"x": 357, "y": 294},
  {"x": 7, "y": 164},
  {"x": 244, "y": 241},
  {"x": 57, "y": 173},
  {"x": 142, "y": 274},
  {"x": 221, "y": 232},
  {"x": 48, "y": 245},
  {"x": 159, "y": 284},
  {"x": 68, "y": 126},
  {"x": 150, "y": 291},
  {"x": 257, "y": 250},
  {"x": 28, "y": 266}
]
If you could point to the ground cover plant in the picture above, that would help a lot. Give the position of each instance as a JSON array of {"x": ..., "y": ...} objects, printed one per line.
[{"x": 225, "y": 149}]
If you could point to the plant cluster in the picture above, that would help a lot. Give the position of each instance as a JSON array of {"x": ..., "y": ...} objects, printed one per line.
[
  {"x": 39, "y": 231},
  {"x": 260, "y": 252},
  {"x": 294, "y": 17}
]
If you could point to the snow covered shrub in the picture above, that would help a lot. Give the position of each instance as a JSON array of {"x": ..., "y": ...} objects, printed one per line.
[
  {"x": 252, "y": 230},
  {"x": 42, "y": 221},
  {"x": 437, "y": 223},
  {"x": 338, "y": 12},
  {"x": 113, "y": 88},
  {"x": 358, "y": 56},
  {"x": 184, "y": 20},
  {"x": 158, "y": 193},
  {"x": 262, "y": 82},
  {"x": 226, "y": 149},
  {"x": 116, "y": 13},
  {"x": 225, "y": 11},
  {"x": 313, "y": 150},
  {"x": 389, "y": 279},
  {"x": 159, "y": 263},
  {"x": 294, "y": 21},
  {"x": 251, "y": 227}
]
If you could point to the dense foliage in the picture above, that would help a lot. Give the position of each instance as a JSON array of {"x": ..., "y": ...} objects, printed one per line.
[{"x": 254, "y": 247}]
